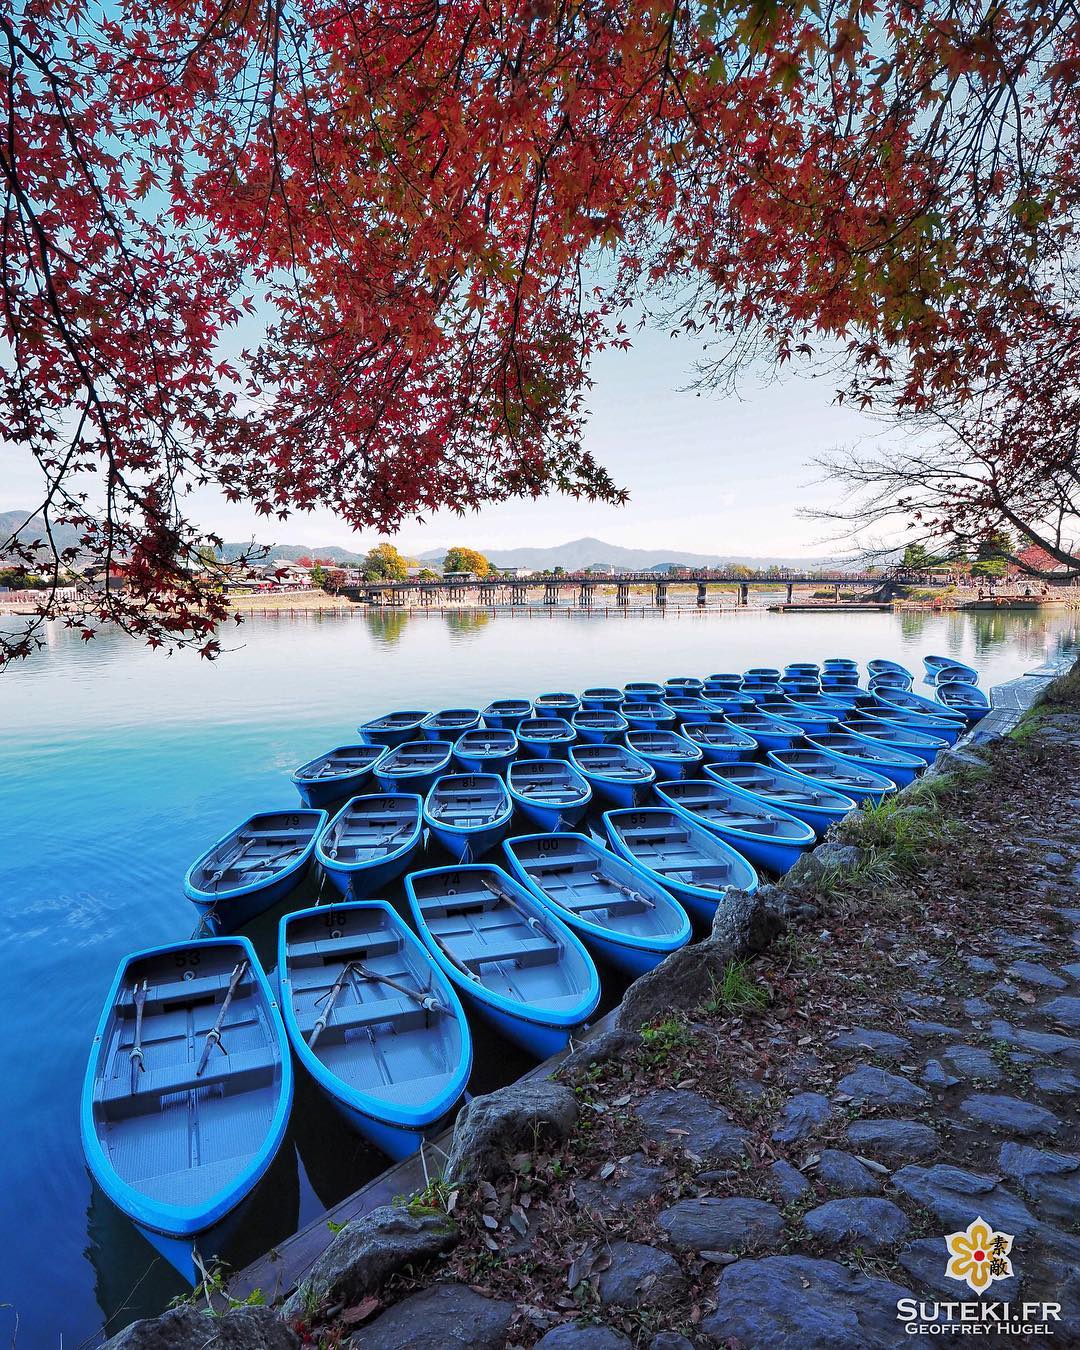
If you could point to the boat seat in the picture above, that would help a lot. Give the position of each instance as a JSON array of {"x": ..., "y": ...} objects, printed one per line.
[
  {"x": 239, "y": 1067},
  {"x": 353, "y": 1016},
  {"x": 186, "y": 991},
  {"x": 357, "y": 946},
  {"x": 525, "y": 951},
  {"x": 616, "y": 905}
]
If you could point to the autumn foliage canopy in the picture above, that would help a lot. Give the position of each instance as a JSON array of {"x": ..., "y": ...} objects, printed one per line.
[{"x": 359, "y": 256}]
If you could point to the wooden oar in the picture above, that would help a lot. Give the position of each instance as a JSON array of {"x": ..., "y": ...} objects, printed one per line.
[
  {"x": 626, "y": 890},
  {"x": 329, "y": 998},
  {"x": 213, "y": 1036},
  {"x": 451, "y": 957},
  {"x": 215, "y": 877},
  {"x": 136, "y": 1054},
  {"x": 426, "y": 1001},
  {"x": 508, "y": 899}
]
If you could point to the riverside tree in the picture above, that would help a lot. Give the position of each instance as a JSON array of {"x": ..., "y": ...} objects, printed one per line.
[
  {"x": 406, "y": 204},
  {"x": 466, "y": 560}
]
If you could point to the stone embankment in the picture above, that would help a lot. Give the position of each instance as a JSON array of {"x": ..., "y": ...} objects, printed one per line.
[{"x": 771, "y": 1145}]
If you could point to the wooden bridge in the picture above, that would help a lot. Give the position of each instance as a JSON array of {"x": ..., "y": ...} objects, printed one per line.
[{"x": 492, "y": 591}]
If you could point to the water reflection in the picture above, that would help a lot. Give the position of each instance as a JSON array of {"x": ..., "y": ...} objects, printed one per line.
[{"x": 120, "y": 765}]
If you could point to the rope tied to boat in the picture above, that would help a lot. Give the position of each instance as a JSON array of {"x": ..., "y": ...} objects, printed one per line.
[{"x": 213, "y": 1036}]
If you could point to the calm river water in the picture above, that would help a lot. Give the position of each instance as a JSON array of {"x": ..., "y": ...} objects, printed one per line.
[{"x": 120, "y": 765}]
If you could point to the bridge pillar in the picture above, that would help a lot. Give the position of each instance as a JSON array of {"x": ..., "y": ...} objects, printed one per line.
[
  {"x": 836, "y": 592},
  {"x": 790, "y": 592},
  {"x": 702, "y": 593},
  {"x": 518, "y": 595},
  {"x": 622, "y": 593},
  {"x": 661, "y": 593},
  {"x": 744, "y": 593},
  {"x": 551, "y": 594},
  {"x": 585, "y": 594}
]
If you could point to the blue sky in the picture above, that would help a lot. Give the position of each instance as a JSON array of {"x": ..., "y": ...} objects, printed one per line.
[{"x": 709, "y": 474}]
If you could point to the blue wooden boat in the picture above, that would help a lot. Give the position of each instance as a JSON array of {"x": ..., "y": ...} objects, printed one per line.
[
  {"x": 556, "y": 705},
  {"x": 468, "y": 813},
  {"x": 413, "y": 766},
  {"x": 506, "y": 953},
  {"x": 958, "y": 674},
  {"x": 889, "y": 679},
  {"x": 694, "y": 708},
  {"x": 965, "y": 699},
  {"x": 881, "y": 666},
  {"x": 896, "y": 734},
  {"x": 374, "y": 1021},
  {"x": 765, "y": 836},
  {"x": 598, "y": 725},
  {"x": 802, "y": 670},
  {"x": 393, "y": 728},
  {"x": 485, "y": 750},
  {"x": 828, "y": 703},
  {"x": 887, "y": 760},
  {"x": 615, "y": 774},
  {"x": 649, "y": 716},
  {"x": 643, "y": 691},
  {"x": 691, "y": 862},
  {"x": 948, "y": 728},
  {"x": 549, "y": 793},
  {"x": 341, "y": 772},
  {"x": 671, "y": 755},
  {"x": 761, "y": 693},
  {"x": 618, "y": 912},
  {"x": 761, "y": 675},
  {"x": 450, "y": 723},
  {"x": 846, "y": 695},
  {"x": 683, "y": 686},
  {"x": 934, "y": 665},
  {"x": 908, "y": 702},
  {"x": 839, "y": 665},
  {"x": 839, "y": 679},
  {"x": 506, "y": 713},
  {"x": 252, "y": 867},
  {"x": 810, "y": 720},
  {"x": 730, "y": 700},
  {"x": 723, "y": 679},
  {"x": 600, "y": 697},
  {"x": 187, "y": 1092},
  {"x": 816, "y": 766},
  {"x": 545, "y": 737},
  {"x": 720, "y": 741},
  {"x": 799, "y": 688},
  {"x": 818, "y": 806},
  {"x": 370, "y": 842},
  {"x": 770, "y": 733}
]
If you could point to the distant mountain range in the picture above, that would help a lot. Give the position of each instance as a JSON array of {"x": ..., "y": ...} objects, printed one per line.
[{"x": 574, "y": 556}]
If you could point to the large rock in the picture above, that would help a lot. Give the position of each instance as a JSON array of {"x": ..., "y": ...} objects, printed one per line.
[
  {"x": 744, "y": 924},
  {"x": 844, "y": 1174},
  {"x": 189, "y": 1328},
  {"x": 796, "y": 1303},
  {"x": 686, "y": 1120},
  {"x": 367, "y": 1251},
  {"x": 869, "y": 1038},
  {"x": 735, "y": 1224},
  {"x": 1050, "y": 1179},
  {"x": 1011, "y": 1115},
  {"x": 870, "y": 1086},
  {"x": 582, "y": 1336},
  {"x": 640, "y": 1276},
  {"x": 1065, "y": 1010},
  {"x": 527, "y": 1115},
  {"x": 441, "y": 1315},
  {"x": 788, "y": 1182},
  {"x": 893, "y": 1141},
  {"x": 614, "y": 1044},
  {"x": 954, "y": 1196},
  {"x": 971, "y": 1061},
  {"x": 864, "y": 1221},
  {"x": 803, "y": 1114},
  {"x": 632, "y": 1183}
]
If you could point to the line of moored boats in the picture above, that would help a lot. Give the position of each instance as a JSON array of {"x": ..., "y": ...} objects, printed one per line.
[{"x": 701, "y": 782}]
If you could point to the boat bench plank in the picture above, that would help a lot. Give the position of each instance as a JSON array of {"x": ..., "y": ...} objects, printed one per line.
[
  {"x": 353, "y": 1016},
  {"x": 525, "y": 951},
  {"x": 185, "y": 991},
  {"x": 328, "y": 948},
  {"x": 236, "y": 1067}
]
